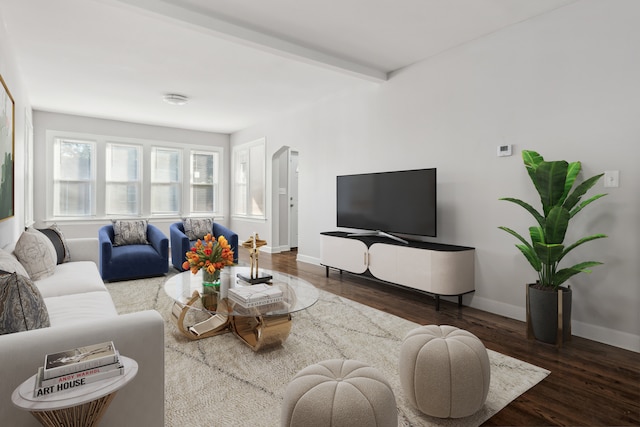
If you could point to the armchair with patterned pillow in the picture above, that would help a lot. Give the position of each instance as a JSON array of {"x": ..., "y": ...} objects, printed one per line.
[
  {"x": 131, "y": 250},
  {"x": 185, "y": 233}
]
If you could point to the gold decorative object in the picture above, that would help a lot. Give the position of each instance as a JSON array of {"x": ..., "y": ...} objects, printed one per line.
[
  {"x": 253, "y": 243},
  {"x": 261, "y": 332},
  {"x": 214, "y": 325}
]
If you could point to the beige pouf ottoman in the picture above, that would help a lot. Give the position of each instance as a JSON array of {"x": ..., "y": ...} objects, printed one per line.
[
  {"x": 339, "y": 393},
  {"x": 444, "y": 371}
]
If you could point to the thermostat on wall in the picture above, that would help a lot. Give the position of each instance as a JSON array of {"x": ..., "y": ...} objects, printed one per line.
[{"x": 504, "y": 150}]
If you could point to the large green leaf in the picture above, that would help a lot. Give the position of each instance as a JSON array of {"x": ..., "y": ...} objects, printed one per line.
[
  {"x": 556, "y": 225},
  {"x": 531, "y": 256},
  {"x": 537, "y": 235},
  {"x": 580, "y": 191},
  {"x": 580, "y": 242},
  {"x": 585, "y": 203},
  {"x": 539, "y": 218},
  {"x": 515, "y": 234},
  {"x": 549, "y": 181},
  {"x": 525, "y": 248},
  {"x": 564, "y": 274},
  {"x": 572, "y": 173},
  {"x": 549, "y": 254},
  {"x": 531, "y": 161}
]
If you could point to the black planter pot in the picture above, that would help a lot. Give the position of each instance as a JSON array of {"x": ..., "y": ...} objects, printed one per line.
[{"x": 543, "y": 314}]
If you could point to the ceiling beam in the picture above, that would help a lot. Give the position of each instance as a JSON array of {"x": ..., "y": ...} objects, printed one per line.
[{"x": 250, "y": 37}]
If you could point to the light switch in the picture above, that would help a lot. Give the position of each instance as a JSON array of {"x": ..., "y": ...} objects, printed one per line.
[{"x": 611, "y": 178}]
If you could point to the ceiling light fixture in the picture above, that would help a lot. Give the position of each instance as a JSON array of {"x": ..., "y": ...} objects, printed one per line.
[{"x": 175, "y": 99}]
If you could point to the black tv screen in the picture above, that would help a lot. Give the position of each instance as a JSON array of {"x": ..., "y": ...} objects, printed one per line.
[{"x": 402, "y": 202}]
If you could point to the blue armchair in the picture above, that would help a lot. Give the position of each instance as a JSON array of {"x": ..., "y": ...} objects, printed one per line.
[
  {"x": 180, "y": 243},
  {"x": 133, "y": 261}
]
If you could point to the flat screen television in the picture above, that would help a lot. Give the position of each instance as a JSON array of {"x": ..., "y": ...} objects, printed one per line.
[{"x": 402, "y": 202}]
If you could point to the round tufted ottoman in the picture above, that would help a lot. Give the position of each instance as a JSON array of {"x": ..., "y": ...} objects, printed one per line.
[
  {"x": 444, "y": 371},
  {"x": 339, "y": 393}
]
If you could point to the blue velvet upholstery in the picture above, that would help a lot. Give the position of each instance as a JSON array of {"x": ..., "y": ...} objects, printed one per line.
[
  {"x": 180, "y": 243},
  {"x": 133, "y": 261}
]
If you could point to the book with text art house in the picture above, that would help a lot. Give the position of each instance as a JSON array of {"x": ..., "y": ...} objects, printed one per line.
[
  {"x": 75, "y": 380},
  {"x": 79, "y": 359}
]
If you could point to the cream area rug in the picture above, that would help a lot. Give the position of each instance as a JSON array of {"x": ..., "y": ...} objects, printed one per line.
[{"x": 219, "y": 381}]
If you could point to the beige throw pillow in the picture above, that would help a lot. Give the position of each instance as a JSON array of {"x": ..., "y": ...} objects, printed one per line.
[{"x": 36, "y": 253}]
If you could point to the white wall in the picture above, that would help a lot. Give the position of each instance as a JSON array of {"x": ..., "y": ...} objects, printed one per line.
[
  {"x": 44, "y": 121},
  {"x": 11, "y": 228},
  {"x": 564, "y": 84}
]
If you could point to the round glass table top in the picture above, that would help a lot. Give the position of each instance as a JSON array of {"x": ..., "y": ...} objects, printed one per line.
[{"x": 297, "y": 294}]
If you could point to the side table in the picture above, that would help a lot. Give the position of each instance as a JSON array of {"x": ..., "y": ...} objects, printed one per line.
[{"x": 83, "y": 407}]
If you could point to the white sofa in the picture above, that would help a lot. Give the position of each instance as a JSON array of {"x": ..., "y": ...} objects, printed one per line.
[{"x": 81, "y": 312}]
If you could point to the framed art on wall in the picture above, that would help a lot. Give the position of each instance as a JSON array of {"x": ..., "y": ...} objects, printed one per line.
[{"x": 7, "y": 146}]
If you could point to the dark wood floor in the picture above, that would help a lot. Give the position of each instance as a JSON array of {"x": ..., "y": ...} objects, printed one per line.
[{"x": 591, "y": 384}]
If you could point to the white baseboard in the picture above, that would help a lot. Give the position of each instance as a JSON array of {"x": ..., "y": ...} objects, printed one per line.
[
  {"x": 606, "y": 336},
  {"x": 308, "y": 259},
  {"x": 275, "y": 249}
]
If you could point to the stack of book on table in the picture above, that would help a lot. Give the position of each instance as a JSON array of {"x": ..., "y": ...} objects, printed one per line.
[
  {"x": 255, "y": 295},
  {"x": 72, "y": 369}
]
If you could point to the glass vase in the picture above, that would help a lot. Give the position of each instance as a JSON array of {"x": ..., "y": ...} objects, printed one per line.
[
  {"x": 211, "y": 279},
  {"x": 210, "y": 290}
]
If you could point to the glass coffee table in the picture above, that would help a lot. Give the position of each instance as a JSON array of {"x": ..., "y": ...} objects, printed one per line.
[{"x": 212, "y": 311}]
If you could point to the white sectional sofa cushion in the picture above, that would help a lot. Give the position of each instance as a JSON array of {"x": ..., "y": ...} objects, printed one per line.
[
  {"x": 72, "y": 309},
  {"x": 72, "y": 278}
]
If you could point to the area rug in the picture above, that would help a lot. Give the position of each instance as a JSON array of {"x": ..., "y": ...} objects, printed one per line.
[{"x": 220, "y": 381}]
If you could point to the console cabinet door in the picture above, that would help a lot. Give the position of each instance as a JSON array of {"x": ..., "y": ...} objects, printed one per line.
[
  {"x": 344, "y": 254},
  {"x": 402, "y": 265},
  {"x": 453, "y": 272}
]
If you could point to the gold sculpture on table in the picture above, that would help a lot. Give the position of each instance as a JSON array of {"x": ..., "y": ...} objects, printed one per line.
[{"x": 253, "y": 243}]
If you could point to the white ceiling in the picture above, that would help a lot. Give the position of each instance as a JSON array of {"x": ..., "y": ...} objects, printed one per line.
[{"x": 239, "y": 61}]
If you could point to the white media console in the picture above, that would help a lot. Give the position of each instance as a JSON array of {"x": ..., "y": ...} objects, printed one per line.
[{"x": 433, "y": 268}]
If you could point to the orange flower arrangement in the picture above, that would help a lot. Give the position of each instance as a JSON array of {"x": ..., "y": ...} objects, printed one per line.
[{"x": 211, "y": 255}]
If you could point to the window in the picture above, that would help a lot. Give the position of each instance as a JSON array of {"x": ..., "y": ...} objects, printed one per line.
[
  {"x": 166, "y": 180},
  {"x": 123, "y": 179},
  {"x": 101, "y": 177},
  {"x": 249, "y": 179},
  {"x": 204, "y": 182},
  {"x": 73, "y": 178}
]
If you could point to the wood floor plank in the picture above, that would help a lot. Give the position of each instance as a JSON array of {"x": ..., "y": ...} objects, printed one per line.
[{"x": 591, "y": 384}]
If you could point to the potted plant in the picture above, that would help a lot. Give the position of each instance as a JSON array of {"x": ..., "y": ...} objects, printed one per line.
[{"x": 545, "y": 248}]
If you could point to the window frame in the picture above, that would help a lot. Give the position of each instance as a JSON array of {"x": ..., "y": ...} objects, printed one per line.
[
  {"x": 215, "y": 184},
  {"x": 138, "y": 183},
  {"x": 238, "y": 150},
  {"x": 52, "y": 179},
  {"x": 179, "y": 183}
]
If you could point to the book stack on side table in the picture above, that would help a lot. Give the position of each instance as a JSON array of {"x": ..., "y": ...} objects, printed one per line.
[
  {"x": 75, "y": 368},
  {"x": 255, "y": 295}
]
